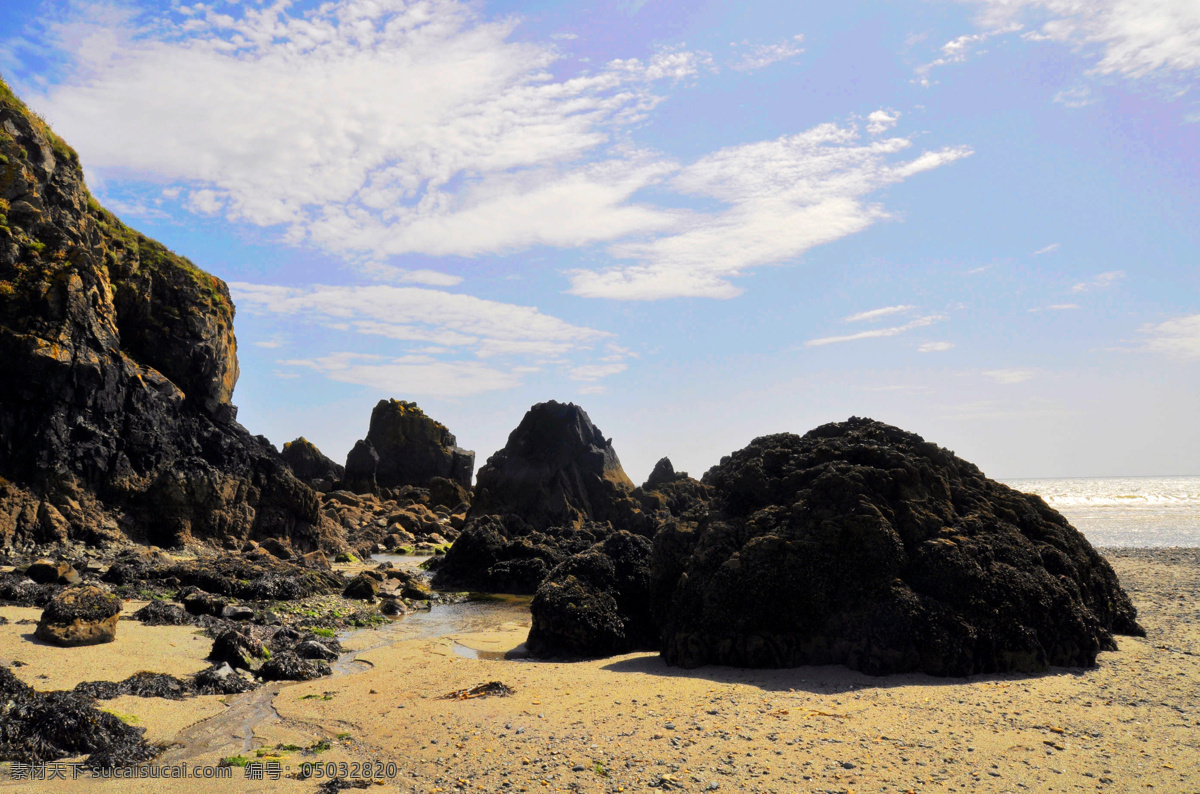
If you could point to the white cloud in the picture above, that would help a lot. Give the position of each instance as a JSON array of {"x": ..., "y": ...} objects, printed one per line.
[
  {"x": 783, "y": 197},
  {"x": 411, "y": 375},
  {"x": 1102, "y": 281},
  {"x": 1047, "y": 250},
  {"x": 269, "y": 345},
  {"x": 1178, "y": 338},
  {"x": 935, "y": 347},
  {"x": 430, "y": 278},
  {"x": 763, "y": 55},
  {"x": 1132, "y": 38},
  {"x": 920, "y": 322},
  {"x": 444, "y": 327},
  {"x": 1077, "y": 97},
  {"x": 1008, "y": 376},
  {"x": 875, "y": 314},
  {"x": 882, "y": 121},
  {"x": 957, "y": 50},
  {"x": 368, "y": 127},
  {"x": 1055, "y": 307}
]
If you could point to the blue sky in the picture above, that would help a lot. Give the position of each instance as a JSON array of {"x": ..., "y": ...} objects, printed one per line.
[{"x": 974, "y": 219}]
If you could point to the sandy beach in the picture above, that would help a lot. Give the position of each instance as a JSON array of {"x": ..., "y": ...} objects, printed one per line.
[{"x": 629, "y": 723}]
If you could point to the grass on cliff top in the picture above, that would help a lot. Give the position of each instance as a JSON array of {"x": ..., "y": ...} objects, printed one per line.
[
  {"x": 14, "y": 103},
  {"x": 151, "y": 253}
]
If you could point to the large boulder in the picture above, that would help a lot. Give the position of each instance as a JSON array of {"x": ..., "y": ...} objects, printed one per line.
[
  {"x": 405, "y": 447},
  {"x": 310, "y": 465},
  {"x": 596, "y": 603},
  {"x": 119, "y": 366},
  {"x": 80, "y": 616},
  {"x": 863, "y": 545}
]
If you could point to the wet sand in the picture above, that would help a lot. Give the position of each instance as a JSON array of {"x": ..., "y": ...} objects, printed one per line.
[{"x": 628, "y": 723}]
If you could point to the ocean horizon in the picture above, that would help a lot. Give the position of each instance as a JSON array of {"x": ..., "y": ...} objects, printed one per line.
[{"x": 1136, "y": 512}]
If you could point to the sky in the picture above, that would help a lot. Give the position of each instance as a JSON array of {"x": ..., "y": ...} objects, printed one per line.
[{"x": 702, "y": 221}]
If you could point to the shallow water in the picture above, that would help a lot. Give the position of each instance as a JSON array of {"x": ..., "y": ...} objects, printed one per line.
[{"x": 1145, "y": 512}]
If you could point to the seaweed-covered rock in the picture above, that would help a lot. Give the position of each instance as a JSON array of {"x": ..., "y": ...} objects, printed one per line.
[
  {"x": 237, "y": 649},
  {"x": 199, "y": 602},
  {"x": 142, "y": 685},
  {"x": 310, "y": 465},
  {"x": 221, "y": 679},
  {"x": 48, "y": 572},
  {"x": 161, "y": 613},
  {"x": 864, "y": 545},
  {"x": 288, "y": 666},
  {"x": 405, "y": 447},
  {"x": 36, "y": 727},
  {"x": 80, "y": 616},
  {"x": 311, "y": 649},
  {"x": 596, "y": 603}
]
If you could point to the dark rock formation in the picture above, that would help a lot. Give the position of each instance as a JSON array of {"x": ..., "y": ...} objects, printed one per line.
[
  {"x": 596, "y": 603},
  {"x": 119, "y": 365},
  {"x": 237, "y": 649},
  {"x": 663, "y": 473},
  {"x": 47, "y": 572},
  {"x": 405, "y": 447},
  {"x": 310, "y": 466},
  {"x": 80, "y": 616},
  {"x": 266, "y": 579},
  {"x": 160, "y": 613},
  {"x": 36, "y": 727},
  {"x": 557, "y": 469},
  {"x": 221, "y": 679},
  {"x": 556, "y": 489},
  {"x": 861, "y": 544},
  {"x": 362, "y": 587},
  {"x": 142, "y": 685}
]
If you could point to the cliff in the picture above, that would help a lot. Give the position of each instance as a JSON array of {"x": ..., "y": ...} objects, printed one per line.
[{"x": 120, "y": 364}]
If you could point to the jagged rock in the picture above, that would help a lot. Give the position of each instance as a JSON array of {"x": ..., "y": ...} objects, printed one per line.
[
  {"x": 119, "y": 367},
  {"x": 663, "y": 473},
  {"x": 287, "y": 666},
  {"x": 48, "y": 572},
  {"x": 557, "y": 469},
  {"x": 160, "y": 613},
  {"x": 37, "y": 727},
  {"x": 596, "y": 603},
  {"x": 310, "y": 465},
  {"x": 236, "y": 649},
  {"x": 861, "y": 544},
  {"x": 80, "y": 616},
  {"x": 278, "y": 548},
  {"x": 405, "y": 447}
]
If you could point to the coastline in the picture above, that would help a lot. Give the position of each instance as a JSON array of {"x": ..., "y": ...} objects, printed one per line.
[{"x": 628, "y": 722}]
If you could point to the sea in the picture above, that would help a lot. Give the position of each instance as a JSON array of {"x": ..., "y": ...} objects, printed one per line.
[{"x": 1143, "y": 512}]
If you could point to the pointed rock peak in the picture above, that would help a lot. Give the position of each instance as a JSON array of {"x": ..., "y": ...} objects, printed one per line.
[
  {"x": 404, "y": 446},
  {"x": 310, "y": 465},
  {"x": 663, "y": 473}
]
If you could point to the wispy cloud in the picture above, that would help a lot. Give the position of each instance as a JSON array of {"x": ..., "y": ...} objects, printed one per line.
[
  {"x": 957, "y": 50},
  {"x": 441, "y": 328},
  {"x": 763, "y": 55},
  {"x": 1077, "y": 97},
  {"x": 783, "y": 197},
  {"x": 876, "y": 314},
  {"x": 876, "y": 333},
  {"x": 935, "y": 347},
  {"x": 1178, "y": 338},
  {"x": 1008, "y": 376},
  {"x": 380, "y": 128},
  {"x": 1131, "y": 38},
  {"x": 1102, "y": 281},
  {"x": 1055, "y": 307},
  {"x": 1049, "y": 249}
]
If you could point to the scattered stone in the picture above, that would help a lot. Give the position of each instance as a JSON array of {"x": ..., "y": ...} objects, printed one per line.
[
  {"x": 311, "y": 649},
  {"x": 238, "y": 613},
  {"x": 80, "y": 616},
  {"x": 491, "y": 688}
]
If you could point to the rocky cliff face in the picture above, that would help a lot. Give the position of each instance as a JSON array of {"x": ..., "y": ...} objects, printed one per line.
[
  {"x": 405, "y": 447},
  {"x": 120, "y": 363}
]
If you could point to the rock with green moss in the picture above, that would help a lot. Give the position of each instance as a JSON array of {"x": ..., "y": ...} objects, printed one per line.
[
  {"x": 405, "y": 447},
  {"x": 119, "y": 368}
]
